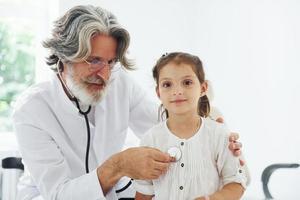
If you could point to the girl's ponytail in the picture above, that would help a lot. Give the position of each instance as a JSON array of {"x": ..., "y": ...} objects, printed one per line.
[{"x": 203, "y": 106}]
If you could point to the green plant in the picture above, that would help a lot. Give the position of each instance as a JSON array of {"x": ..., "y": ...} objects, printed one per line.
[{"x": 17, "y": 62}]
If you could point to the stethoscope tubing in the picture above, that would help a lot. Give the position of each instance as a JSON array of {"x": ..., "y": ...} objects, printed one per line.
[{"x": 85, "y": 114}]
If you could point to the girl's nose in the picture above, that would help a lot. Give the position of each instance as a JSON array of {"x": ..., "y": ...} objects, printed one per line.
[
  {"x": 177, "y": 91},
  {"x": 104, "y": 72}
]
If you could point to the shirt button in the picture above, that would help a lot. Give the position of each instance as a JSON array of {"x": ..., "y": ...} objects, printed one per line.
[
  {"x": 240, "y": 170},
  {"x": 182, "y": 143},
  {"x": 181, "y": 187},
  {"x": 182, "y": 164}
]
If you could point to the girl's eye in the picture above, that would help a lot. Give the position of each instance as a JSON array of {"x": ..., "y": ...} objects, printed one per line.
[
  {"x": 166, "y": 84},
  {"x": 187, "y": 82}
]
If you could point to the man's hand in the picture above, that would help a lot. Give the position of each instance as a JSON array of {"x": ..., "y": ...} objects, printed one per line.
[
  {"x": 235, "y": 146},
  {"x": 220, "y": 120},
  {"x": 144, "y": 163},
  {"x": 138, "y": 163}
]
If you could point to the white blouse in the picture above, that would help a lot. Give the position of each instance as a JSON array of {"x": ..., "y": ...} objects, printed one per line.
[{"x": 205, "y": 166}]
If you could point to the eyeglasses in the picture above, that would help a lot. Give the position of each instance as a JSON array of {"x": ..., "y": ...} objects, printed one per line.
[{"x": 96, "y": 64}]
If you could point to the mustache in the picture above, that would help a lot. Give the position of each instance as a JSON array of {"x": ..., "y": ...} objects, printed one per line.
[{"x": 96, "y": 80}]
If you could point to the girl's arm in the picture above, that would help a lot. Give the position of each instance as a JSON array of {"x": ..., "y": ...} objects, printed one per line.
[
  {"x": 231, "y": 191},
  {"x": 140, "y": 196}
]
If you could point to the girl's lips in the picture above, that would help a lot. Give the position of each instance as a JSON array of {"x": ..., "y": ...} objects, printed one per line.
[{"x": 178, "y": 100}]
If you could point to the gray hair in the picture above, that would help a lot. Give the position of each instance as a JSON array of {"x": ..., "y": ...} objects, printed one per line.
[{"x": 72, "y": 32}]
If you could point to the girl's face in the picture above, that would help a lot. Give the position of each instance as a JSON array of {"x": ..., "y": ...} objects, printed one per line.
[{"x": 179, "y": 89}]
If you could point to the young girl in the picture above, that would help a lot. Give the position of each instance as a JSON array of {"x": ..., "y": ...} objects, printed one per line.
[{"x": 204, "y": 168}]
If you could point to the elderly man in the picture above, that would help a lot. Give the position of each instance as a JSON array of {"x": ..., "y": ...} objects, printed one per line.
[{"x": 71, "y": 130}]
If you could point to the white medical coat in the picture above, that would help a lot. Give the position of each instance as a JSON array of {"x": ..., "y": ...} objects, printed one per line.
[{"x": 52, "y": 135}]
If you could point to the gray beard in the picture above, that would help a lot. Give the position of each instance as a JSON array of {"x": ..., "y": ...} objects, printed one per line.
[{"x": 80, "y": 91}]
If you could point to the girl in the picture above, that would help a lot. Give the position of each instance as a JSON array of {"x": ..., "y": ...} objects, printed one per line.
[{"x": 204, "y": 168}]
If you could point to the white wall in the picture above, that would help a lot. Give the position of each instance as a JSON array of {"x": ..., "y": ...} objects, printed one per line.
[{"x": 250, "y": 50}]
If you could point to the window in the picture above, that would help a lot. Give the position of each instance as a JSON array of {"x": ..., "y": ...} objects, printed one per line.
[
  {"x": 17, "y": 63},
  {"x": 23, "y": 25}
]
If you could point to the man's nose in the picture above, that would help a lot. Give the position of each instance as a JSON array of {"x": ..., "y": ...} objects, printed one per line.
[{"x": 104, "y": 72}]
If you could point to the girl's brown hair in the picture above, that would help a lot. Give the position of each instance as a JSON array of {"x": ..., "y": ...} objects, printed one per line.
[{"x": 189, "y": 59}]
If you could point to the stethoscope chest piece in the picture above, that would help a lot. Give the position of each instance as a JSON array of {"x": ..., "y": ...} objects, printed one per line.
[{"x": 175, "y": 152}]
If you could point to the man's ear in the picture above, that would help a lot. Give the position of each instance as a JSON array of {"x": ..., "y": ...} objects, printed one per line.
[
  {"x": 204, "y": 87},
  {"x": 157, "y": 92}
]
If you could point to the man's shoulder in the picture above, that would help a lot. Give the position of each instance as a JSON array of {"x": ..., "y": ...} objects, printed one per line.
[
  {"x": 121, "y": 82},
  {"x": 32, "y": 95},
  {"x": 122, "y": 76},
  {"x": 156, "y": 130},
  {"x": 124, "y": 85},
  {"x": 210, "y": 122},
  {"x": 159, "y": 126},
  {"x": 215, "y": 128},
  {"x": 155, "y": 134}
]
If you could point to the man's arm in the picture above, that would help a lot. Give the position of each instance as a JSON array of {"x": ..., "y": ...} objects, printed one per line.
[
  {"x": 140, "y": 196},
  {"x": 137, "y": 163},
  {"x": 109, "y": 174},
  {"x": 49, "y": 169},
  {"x": 51, "y": 172}
]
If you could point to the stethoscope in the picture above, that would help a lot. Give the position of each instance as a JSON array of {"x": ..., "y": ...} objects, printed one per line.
[
  {"x": 72, "y": 97},
  {"x": 175, "y": 152}
]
